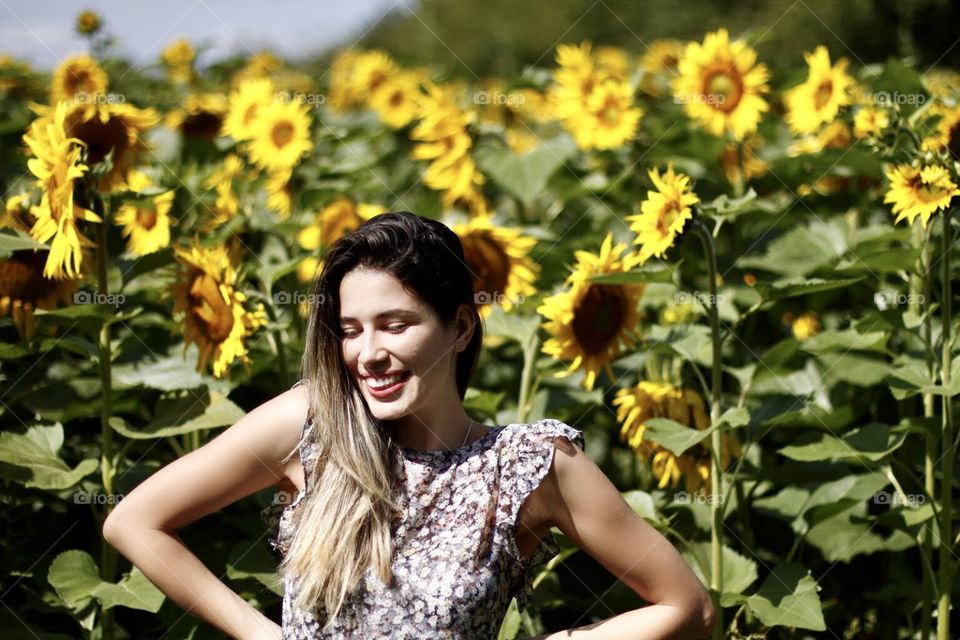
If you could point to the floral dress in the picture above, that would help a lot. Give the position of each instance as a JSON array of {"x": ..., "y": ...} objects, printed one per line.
[{"x": 456, "y": 563}]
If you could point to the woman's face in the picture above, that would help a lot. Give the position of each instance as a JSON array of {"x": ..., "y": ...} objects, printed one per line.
[{"x": 400, "y": 355}]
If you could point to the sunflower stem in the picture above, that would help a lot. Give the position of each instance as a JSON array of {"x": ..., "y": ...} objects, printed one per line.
[
  {"x": 529, "y": 356},
  {"x": 946, "y": 442},
  {"x": 108, "y": 555},
  {"x": 716, "y": 485},
  {"x": 281, "y": 349}
]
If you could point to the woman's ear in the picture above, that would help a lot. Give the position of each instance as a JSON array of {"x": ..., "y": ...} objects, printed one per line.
[{"x": 466, "y": 325}]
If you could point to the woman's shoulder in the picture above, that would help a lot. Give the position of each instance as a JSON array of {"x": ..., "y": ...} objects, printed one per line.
[{"x": 525, "y": 435}]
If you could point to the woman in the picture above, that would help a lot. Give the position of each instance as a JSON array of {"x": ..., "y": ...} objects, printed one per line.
[{"x": 411, "y": 520}]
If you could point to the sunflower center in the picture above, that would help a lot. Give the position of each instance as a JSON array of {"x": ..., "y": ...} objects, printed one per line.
[
  {"x": 21, "y": 277},
  {"x": 101, "y": 137},
  {"x": 598, "y": 317},
  {"x": 611, "y": 112},
  {"x": 146, "y": 218},
  {"x": 249, "y": 114},
  {"x": 202, "y": 125},
  {"x": 953, "y": 141},
  {"x": 396, "y": 99},
  {"x": 488, "y": 261},
  {"x": 209, "y": 309},
  {"x": 823, "y": 93},
  {"x": 77, "y": 81},
  {"x": 723, "y": 89},
  {"x": 281, "y": 134}
]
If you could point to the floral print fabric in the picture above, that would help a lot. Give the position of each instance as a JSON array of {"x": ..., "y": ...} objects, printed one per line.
[{"x": 456, "y": 562}]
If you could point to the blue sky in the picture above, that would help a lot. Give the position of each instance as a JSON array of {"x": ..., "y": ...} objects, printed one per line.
[{"x": 41, "y": 31}]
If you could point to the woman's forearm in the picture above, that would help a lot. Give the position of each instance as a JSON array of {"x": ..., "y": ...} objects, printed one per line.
[
  {"x": 653, "y": 622},
  {"x": 167, "y": 562}
]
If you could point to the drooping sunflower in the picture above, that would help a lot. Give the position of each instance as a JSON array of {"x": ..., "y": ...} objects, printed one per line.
[
  {"x": 443, "y": 139},
  {"x": 211, "y": 309},
  {"x": 499, "y": 261},
  {"x": 200, "y": 116},
  {"x": 721, "y": 85},
  {"x": 245, "y": 104},
  {"x": 647, "y": 400},
  {"x": 916, "y": 191},
  {"x": 23, "y": 287},
  {"x": 103, "y": 128},
  {"x": 281, "y": 135},
  {"x": 396, "y": 99},
  {"x": 817, "y": 101},
  {"x": 590, "y": 324},
  {"x": 663, "y": 214},
  {"x": 78, "y": 78},
  {"x": 328, "y": 226},
  {"x": 56, "y": 165},
  {"x": 146, "y": 224}
]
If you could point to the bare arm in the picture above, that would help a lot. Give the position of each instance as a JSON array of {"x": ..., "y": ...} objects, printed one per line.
[
  {"x": 582, "y": 502},
  {"x": 245, "y": 458}
]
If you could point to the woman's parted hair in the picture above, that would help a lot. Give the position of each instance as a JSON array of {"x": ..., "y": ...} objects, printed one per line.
[{"x": 344, "y": 521}]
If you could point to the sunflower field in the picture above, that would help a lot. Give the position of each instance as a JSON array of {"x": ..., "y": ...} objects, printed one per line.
[{"x": 736, "y": 280}]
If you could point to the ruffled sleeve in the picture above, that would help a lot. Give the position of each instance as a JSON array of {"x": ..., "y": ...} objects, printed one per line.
[{"x": 525, "y": 461}]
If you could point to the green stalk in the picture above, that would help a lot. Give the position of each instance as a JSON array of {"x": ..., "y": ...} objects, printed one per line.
[
  {"x": 278, "y": 343},
  {"x": 529, "y": 356},
  {"x": 716, "y": 486},
  {"x": 108, "y": 555},
  {"x": 946, "y": 444}
]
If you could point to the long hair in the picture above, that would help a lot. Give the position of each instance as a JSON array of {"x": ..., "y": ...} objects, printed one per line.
[{"x": 344, "y": 522}]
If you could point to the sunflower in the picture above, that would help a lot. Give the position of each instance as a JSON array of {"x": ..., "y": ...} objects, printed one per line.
[
  {"x": 946, "y": 136},
  {"x": 659, "y": 60},
  {"x": 591, "y": 323},
  {"x": 369, "y": 70},
  {"x": 178, "y": 57},
  {"x": 721, "y": 85},
  {"x": 23, "y": 287},
  {"x": 56, "y": 165},
  {"x": 223, "y": 180},
  {"x": 818, "y": 100},
  {"x": 88, "y": 23},
  {"x": 212, "y": 310},
  {"x": 663, "y": 214},
  {"x": 145, "y": 223},
  {"x": 918, "y": 191},
  {"x": 612, "y": 61},
  {"x": 835, "y": 135},
  {"x": 740, "y": 161},
  {"x": 329, "y": 225},
  {"x": 341, "y": 93},
  {"x": 648, "y": 400},
  {"x": 395, "y": 99},
  {"x": 262, "y": 64},
  {"x": 608, "y": 118},
  {"x": 870, "y": 122},
  {"x": 200, "y": 116},
  {"x": 442, "y": 138},
  {"x": 78, "y": 78},
  {"x": 281, "y": 135},
  {"x": 804, "y": 326},
  {"x": 499, "y": 261},
  {"x": 245, "y": 104},
  {"x": 278, "y": 192}
]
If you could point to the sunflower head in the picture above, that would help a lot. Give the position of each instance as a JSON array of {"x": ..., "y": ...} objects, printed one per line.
[
  {"x": 245, "y": 104},
  {"x": 916, "y": 191},
  {"x": 817, "y": 101},
  {"x": 88, "y": 23},
  {"x": 663, "y": 214},
  {"x": 78, "y": 78},
  {"x": 280, "y": 136}
]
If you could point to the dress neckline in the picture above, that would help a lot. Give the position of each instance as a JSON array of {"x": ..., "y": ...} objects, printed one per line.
[{"x": 435, "y": 454}]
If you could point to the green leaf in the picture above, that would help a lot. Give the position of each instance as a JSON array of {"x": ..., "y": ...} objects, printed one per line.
[
  {"x": 514, "y": 326},
  {"x": 76, "y": 579},
  {"x": 253, "y": 560},
  {"x": 646, "y": 274},
  {"x": 883, "y": 261},
  {"x": 525, "y": 175},
  {"x": 692, "y": 342},
  {"x": 793, "y": 287},
  {"x": 871, "y": 442},
  {"x": 788, "y": 598},
  {"x": 642, "y": 504},
  {"x": 672, "y": 435},
  {"x": 804, "y": 249},
  {"x": 845, "y": 340},
  {"x": 735, "y": 417},
  {"x": 172, "y": 372},
  {"x": 910, "y": 377},
  {"x": 38, "y": 452},
  {"x": 184, "y": 412},
  {"x": 19, "y": 242},
  {"x": 739, "y": 571}
]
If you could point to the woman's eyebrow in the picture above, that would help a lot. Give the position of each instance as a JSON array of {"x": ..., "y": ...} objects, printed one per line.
[{"x": 390, "y": 313}]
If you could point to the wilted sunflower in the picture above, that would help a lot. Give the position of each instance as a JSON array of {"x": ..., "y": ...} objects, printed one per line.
[
  {"x": 78, "y": 78},
  {"x": 200, "y": 116},
  {"x": 443, "y": 139},
  {"x": 23, "y": 287},
  {"x": 245, "y": 105},
  {"x": 499, "y": 261},
  {"x": 56, "y": 165},
  {"x": 818, "y": 100},
  {"x": 663, "y": 214},
  {"x": 649, "y": 400},
  {"x": 396, "y": 99},
  {"x": 721, "y": 85},
  {"x": 281, "y": 135},
  {"x": 591, "y": 323},
  {"x": 145, "y": 223},
  {"x": 918, "y": 191},
  {"x": 329, "y": 225},
  {"x": 213, "y": 314}
]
